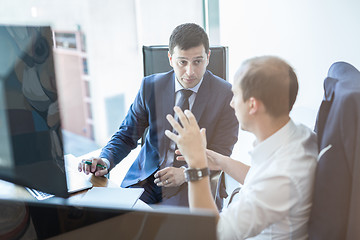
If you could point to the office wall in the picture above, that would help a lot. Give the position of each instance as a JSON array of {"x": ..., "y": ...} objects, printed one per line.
[
  {"x": 310, "y": 35},
  {"x": 62, "y": 14},
  {"x": 131, "y": 24},
  {"x": 157, "y": 18},
  {"x": 114, "y": 63},
  {"x": 115, "y": 31}
]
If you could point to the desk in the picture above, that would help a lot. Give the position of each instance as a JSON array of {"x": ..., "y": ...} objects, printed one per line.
[
  {"x": 63, "y": 221},
  {"x": 59, "y": 219},
  {"x": 52, "y": 216},
  {"x": 12, "y": 191}
]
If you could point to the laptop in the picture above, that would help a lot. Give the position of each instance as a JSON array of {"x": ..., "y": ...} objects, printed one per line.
[{"x": 76, "y": 181}]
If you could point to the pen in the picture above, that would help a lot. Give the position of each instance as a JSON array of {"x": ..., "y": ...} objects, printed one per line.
[{"x": 98, "y": 165}]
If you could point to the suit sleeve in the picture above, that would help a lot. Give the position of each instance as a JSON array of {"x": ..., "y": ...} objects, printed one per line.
[
  {"x": 226, "y": 129},
  {"x": 130, "y": 131}
]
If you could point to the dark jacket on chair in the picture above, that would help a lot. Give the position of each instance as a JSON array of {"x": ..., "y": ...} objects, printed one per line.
[{"x": 336, "y": 204}]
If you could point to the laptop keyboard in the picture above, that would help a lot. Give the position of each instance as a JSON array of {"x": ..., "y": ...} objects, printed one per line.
[{"x": 39, "y": 195}]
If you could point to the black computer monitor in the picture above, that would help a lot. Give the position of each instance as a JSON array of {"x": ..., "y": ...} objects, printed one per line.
[{"x": 31, "y": 149}]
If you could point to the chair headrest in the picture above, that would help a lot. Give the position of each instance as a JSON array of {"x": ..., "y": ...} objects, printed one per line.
[
  {"x": 329, "y": 88},
  {"x": 344, "y": 72}
]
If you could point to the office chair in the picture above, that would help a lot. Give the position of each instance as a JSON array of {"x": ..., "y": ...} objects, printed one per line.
[
  {"x": 335, "y": 211},
  {"x": 155, "y": 60}
]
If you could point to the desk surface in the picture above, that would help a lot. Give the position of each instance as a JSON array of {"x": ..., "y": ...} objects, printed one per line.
[
  {"x": 11, "y": 191},
  {"x": 157, "y": 222},
  {"x": 67, "y": 222}
]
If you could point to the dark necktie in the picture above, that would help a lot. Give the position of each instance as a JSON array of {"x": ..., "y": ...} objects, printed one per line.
[
  {"x": 183, "y": 104},
  {"x": 184, "y": 99}
]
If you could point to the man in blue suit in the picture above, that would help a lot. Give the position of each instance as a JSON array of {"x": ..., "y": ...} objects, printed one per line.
[{"x": 208, "y": 99}]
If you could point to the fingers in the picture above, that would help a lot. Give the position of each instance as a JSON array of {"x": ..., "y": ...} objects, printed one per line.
[
  {"x": 86, "y": 168},
  {"x": 101, "y": 172},
  {"x": 203, "y": 136},
  {"x": 190, "y": 118},
  {"x": 80, "y": 166},
  {"x": 169, "y": 177},
  {"x": 165, "y": 183},
  {"x": 174, "y": 123},
  {"x": 160, "y": 173},
  {"x": 182, "y": 117},
  {"x": 91, "y": 165},
  {"x": 161, "y": 178},
  {"x": 171, "y": 135},
  {"x": 185, "y": 119},
  {"x": 179, "y": 158}
]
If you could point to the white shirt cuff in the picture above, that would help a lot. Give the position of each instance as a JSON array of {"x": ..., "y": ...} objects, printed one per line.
[{"x": 107, "y": 162}]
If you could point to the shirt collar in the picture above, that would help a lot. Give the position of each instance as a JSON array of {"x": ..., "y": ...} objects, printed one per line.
[
  {"x": 263, "y": 150},
  {"x": 195, "y": 89}
]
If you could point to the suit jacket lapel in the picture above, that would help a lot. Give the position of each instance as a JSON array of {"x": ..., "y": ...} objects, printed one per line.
[
  {"x": 201, "y": 98},
  {"x": 329, "y": 88},
  {"x": 165, "y": 100},
  {"x": 168, "y": 98}
]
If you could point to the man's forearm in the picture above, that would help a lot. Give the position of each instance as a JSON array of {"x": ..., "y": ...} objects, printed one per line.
[
  {"x": 234, "y": 168},
  {"x": 199, "y": 191},
  {"x": 200, "y": 196}
]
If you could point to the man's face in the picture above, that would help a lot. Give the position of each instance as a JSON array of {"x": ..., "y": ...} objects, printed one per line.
[
  {"x": 189, "y": 65},
  {"x": 241, "y": 108}
]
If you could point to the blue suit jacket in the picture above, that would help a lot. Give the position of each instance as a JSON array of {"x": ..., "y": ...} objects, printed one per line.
[{"x": 156, "y": 99}]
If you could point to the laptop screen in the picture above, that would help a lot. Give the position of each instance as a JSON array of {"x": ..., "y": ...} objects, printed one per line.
[{"x": 31, "y": 152}]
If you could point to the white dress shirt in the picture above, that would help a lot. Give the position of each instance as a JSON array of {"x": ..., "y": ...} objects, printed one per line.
[
  {"x": 170, "y": 153},
  {"x": 275, "y": 200}
]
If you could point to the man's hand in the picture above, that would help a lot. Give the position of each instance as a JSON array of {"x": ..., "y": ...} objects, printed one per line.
[
  {"x": 190, "y": 139},
  {"x": 169, "y": 177},
  {"x": 213, "y": 159},
  {"x": 94, "y": 168}
]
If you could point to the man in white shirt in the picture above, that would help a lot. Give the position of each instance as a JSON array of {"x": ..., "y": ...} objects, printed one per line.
[{"x": 275, "y": 200}]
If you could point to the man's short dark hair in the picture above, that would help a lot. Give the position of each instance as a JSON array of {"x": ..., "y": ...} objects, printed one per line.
[
  {"x": 188, "y": 35},
  {"x": 270, "y": 80}
]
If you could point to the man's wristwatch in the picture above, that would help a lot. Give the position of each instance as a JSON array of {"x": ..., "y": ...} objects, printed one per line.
[{"x": 195, "y": 174}]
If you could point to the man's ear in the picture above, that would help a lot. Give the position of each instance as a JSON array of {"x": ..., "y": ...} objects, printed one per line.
[
  {"x": 254, "y": 105},
  {"x": 208, "y": 57},
  {"x": 170, "y": 58}
]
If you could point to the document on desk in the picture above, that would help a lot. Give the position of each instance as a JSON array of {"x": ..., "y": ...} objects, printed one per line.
[{"x": 112, "y": 197}]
